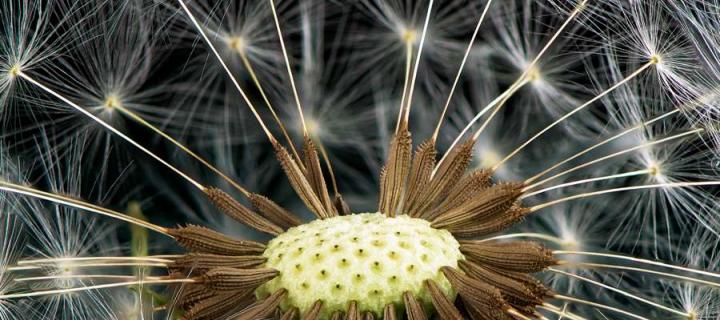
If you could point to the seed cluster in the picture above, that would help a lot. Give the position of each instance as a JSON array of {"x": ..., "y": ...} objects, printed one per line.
[
  {"x": 415, "y": 258},
  {"x": 367, "y": 258}
]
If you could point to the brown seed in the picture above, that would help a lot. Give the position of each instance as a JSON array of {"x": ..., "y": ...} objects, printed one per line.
[
  {"x": 314, "y": 175},
  {"x": 490, "y": 225},
  {"x": 445, "y": 309},
  {"x": 352, "y": 311},
  {"x": 201, "y": 262},
  {"x": 446, "y": 176},
  {"x": 477, "y": 294},
  {"x": 201, "y": 239},
  {"x": 517, "y": 294},
  {"x": 467, "y": 188},
  {"x": 231, "y": 279},
  {"x": 423, "y": 163},
  {"x": 486, "y": 206},
  {"x": 218, "y": 305},
  {"x": 483, "y": 313},
  {"x": 389, "y": 312},
  {"x": 341, "y": 206},
  {"x": 299, "y": 183},
  {"x": 527, "y": 280},
  {"x": 290, "y": 315},
  {"x": 263, "y": 308},
  {"x": 394, "y": 174},
  {"x": 234, "y": 209},
  {"x": 337, "y": 315},
  {"x": 273, "y": 212},
  {"x": 413, "y": 308},
  {"x": 314, "y": 312},
  {"x": 520, "y": 256},
  {"x": 189, "y": 294}
]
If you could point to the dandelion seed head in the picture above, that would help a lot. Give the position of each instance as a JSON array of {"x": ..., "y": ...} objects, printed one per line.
[
  {"x": 14, "y": 71},
  {"x": 489, "y": 158},
  {"x": 654, "y": 170},
  {"x": 330, "y": 260},
  {"x": 408, "y": 35},
  {"x": 237, "y": 43},
  {"x": 632, "y": 178},
  {"x": 534, "y": 75},
  {"x": 313, "y": 127}
]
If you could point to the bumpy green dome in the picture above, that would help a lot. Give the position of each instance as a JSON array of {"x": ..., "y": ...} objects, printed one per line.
[{"x": 368, "y": 258}]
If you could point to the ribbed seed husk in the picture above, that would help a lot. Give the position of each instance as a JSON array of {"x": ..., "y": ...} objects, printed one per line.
[
  {"x": 446, "y": 176},
  {"x": 218, "y": 305},
  {"x": 494, "y": 201},
  {"x": 423, "y": 163},
  {"x": 262, "y": 308},
  {"x": 444, "y": 307},
  {"x": 413, "y": 308},
  {"x": 234, "y": 209},
  {"x": 394, "y": 174},
  {"x": 299, "y": 183},
  {"x": 519, "y": 256},
  {"x": 232, "y": 279},
  {"x": 290, "y": 314},
  {"x": 389, "y": 313},
  {"x": 315, "y": 176},
  {"x": 201, "y": 262},
  {"x": 341, "y": 205},
  {"x": 201, "y": 239},
  {"x": 273, "y": 212},
  {"x": 477, "y": 294},
  {"x": 468, "y": 187},
  {"x": 314, "y": 312},
  {"x": 516, "y": 293},
  {"x": 490, "y": 225},
  {"x": 190, "y": 294},
  {"x": 352, "y": 311}
]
